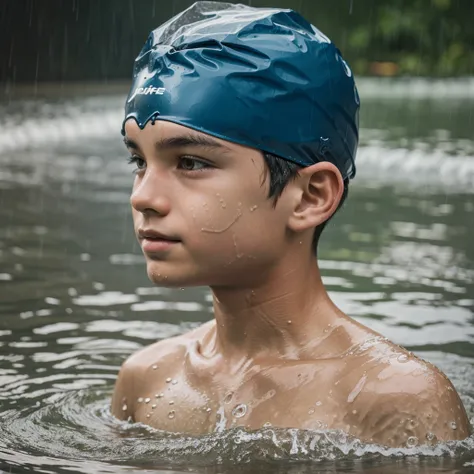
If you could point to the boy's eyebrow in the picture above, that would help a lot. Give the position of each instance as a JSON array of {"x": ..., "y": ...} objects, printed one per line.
[
  {"x": 181, "y": 141},
  {"x": 130, "y": 143}
]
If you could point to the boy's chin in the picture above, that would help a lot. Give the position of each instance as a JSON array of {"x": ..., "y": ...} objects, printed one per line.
[
  {"x": 184, "y": 274},
  {"x": 171, "y": 278}
]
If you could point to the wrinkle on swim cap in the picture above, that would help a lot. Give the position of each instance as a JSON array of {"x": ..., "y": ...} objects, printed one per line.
[{"x": 260, "y": 77}]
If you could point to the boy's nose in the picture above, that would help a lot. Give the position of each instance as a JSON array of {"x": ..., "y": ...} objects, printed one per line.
[{"x": 149, "y": 196}]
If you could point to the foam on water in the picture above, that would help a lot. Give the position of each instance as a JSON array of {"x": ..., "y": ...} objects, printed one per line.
[{"x": 433, "y": 168}]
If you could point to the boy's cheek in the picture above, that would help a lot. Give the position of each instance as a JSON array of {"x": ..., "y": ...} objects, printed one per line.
[{"x": 226, "y": 239}]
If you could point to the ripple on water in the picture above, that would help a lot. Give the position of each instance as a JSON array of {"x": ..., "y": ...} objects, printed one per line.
[
  {"x": 79, "y": 426},
  {"x": 416, "y": 280}
]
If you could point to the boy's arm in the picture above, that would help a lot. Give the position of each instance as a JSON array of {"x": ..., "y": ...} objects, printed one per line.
[{"x": 124, "y": 396}]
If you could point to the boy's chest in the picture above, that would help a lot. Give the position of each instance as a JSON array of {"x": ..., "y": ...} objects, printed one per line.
[
  {"x": 174, "y": 406},
  {"x": 177, "y": 405}
]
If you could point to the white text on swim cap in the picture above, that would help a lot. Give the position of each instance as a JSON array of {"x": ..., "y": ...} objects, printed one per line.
[{"x": 147, "y": 91}]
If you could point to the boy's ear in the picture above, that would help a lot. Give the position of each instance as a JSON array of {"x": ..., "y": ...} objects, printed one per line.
[{"x": 319, "y": 191}]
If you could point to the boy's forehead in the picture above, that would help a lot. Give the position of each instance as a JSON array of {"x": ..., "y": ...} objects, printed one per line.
[
  {"x": 163, "y": 132},
  {"x": 159, "y": 128}
]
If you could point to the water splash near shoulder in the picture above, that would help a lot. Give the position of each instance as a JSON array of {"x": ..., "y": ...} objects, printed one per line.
[
  {"x": 221, "y": 420},
  {"x": 88, "y": 432}
]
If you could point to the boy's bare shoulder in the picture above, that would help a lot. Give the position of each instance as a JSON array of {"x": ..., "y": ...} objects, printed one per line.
[
  {"x": 404, "y": 401},
  {"x": 133, "y": 377},
  {"x": 162, "y": 351}
]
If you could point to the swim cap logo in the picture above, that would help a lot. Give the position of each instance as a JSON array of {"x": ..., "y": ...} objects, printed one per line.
[{"x": 147, "y": 91}]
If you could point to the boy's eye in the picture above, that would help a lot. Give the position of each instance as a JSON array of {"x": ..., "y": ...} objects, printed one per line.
[
  {"x": 139, "y": 162},
  {"x": 191, "y": 164}
]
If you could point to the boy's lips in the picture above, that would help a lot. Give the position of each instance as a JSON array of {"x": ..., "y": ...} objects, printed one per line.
[
  {"x": 153, "y": 241},
  {"x": 154, "y": 234}
]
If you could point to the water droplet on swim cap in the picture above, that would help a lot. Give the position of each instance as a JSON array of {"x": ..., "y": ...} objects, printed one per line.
[{"x": 260, "y": 77}]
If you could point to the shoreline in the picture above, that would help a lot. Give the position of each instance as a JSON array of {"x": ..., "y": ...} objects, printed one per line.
[
  {"x": 369, "y": 87},
  {"x": 9, "y": 90}
]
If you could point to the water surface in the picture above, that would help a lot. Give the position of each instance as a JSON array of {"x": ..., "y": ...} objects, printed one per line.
[{"x": 75, "y": 300}]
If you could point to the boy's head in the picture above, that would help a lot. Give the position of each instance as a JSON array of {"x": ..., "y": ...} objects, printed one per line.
[{"x": 260, "y": 79}]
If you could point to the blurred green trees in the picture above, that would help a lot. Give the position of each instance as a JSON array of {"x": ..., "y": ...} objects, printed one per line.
[
  {"x": 98, "y": 39},
  {"x": 420, "y": 37}
]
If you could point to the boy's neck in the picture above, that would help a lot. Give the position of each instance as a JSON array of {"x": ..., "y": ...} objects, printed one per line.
[{"x": 283, "y": 317}]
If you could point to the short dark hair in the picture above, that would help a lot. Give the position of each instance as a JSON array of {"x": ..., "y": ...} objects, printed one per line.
[{"x": 281, "y": 173}]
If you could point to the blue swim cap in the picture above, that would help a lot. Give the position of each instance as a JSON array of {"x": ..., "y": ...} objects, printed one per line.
[{"x": 261, "y": 77}]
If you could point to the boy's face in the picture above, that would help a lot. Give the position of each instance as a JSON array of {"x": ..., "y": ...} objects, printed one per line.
[{"x": 207, "y": 195}]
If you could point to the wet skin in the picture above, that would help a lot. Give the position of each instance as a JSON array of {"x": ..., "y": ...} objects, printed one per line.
[{"x": 278, "y": 351}]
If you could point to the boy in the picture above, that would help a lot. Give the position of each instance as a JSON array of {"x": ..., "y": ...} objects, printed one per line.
[{"x": 243, "y": 125}]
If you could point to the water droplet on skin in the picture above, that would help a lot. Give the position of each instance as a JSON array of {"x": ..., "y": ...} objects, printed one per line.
[
  {"x": 159, "y": 395},
  {"x": 411, "y": 424},
  {"x": 139, "y": 399},
  {"x": 208, "y": 410},
  {"x": 153, "y": 406},
  {"x": 267, "y": 424},
  {"x": 148, "y": 416},
  {"x": 289, "y": 321},
  {"x": 154, "y": 367},
  {"x": 228, "y": 397},
  {"x": 318, "y": 403},
  {"x": 430, "y": 436},
  {"x": 310, "y": 411},
  {"x": 354, "y": 412},
  {"x": 356, "y": 390},
  {"x": 253, "y": 208},
  {"x": 124, "y": 408},
  {"x": 402, "y": 358},
  {"x": 168, "y": 380},
  {"x": 171, "y": 414},
  {"x": 174, "y": 382},
  {"x": 453, "y": 425},
  {"x": 239, "y": 410},
  {"x": 171, "y": 402},
  {"x": 412, "y": 441},
  {"x": 147, "y": 400}
]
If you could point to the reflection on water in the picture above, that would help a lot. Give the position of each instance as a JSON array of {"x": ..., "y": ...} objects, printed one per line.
[{"x": 75, "y": 300}]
